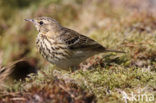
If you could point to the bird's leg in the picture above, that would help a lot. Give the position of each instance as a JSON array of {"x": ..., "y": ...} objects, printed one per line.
[{"x": 57, "y": 74}]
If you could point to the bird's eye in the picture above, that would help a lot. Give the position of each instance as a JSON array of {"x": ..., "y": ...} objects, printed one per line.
[{"x": 41, "y": 22}]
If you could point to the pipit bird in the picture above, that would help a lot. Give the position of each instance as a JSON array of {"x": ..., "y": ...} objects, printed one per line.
[{"x": 64, "y": 47}]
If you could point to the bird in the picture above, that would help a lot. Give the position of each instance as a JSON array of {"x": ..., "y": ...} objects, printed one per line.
[{"x": 62, "y": 46}]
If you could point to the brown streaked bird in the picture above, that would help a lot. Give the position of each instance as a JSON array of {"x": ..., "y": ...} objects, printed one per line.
[{"x": 64, "y": 47}]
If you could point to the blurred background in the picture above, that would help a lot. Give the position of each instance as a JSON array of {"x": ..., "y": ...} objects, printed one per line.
[{"x": 128, "y": 25}]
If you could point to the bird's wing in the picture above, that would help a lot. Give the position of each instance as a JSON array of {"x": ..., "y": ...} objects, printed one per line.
[{"x": 76, "y": 41}]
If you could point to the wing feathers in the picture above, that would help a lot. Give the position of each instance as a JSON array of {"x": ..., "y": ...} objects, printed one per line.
[{"x": 76, "y": 41}]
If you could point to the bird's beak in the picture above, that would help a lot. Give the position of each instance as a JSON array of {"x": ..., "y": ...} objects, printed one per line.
[{"x": 31, "y": 20}]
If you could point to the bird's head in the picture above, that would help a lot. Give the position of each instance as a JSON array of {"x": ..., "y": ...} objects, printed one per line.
[{"x": 45, "y": 24}]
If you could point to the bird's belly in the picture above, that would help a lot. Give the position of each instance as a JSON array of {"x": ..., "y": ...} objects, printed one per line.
[
  {"x": 54, "y": 53},
  {"x": 61, "y": 56},
  {"x": 66, "y": 63},
  {"x": 75, "y": 58}
]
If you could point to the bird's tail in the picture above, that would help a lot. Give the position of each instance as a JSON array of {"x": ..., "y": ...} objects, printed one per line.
[{"x": 108, "y": 50}]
